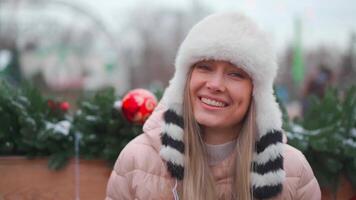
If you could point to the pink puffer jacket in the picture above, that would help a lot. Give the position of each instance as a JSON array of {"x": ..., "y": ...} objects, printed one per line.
[{"x": 140, "y": 173}]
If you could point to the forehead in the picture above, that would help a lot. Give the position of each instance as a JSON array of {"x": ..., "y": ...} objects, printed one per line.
[{"x": 221, "y": 63}]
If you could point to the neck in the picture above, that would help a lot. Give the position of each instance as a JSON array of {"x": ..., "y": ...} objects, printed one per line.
[{"x": 215, "y": 135}]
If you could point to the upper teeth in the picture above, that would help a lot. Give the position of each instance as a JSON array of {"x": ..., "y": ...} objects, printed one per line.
[{"x": 212, "y": 102}]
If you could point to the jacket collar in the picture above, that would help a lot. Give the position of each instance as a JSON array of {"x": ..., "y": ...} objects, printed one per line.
[{"x": 152, "y": 127}]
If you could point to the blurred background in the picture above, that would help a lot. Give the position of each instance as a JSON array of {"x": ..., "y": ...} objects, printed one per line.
[{"x": 67, "y": 49}]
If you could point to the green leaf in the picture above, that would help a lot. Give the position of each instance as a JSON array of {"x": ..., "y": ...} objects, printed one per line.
[
  {"x": 319, "y": 144},
  {"x": 333, "y": 165}
]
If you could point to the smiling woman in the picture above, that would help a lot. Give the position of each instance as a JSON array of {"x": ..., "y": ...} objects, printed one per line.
[
  {"x": 217, "y": 132},
  {"x": 220, "y": 95}
]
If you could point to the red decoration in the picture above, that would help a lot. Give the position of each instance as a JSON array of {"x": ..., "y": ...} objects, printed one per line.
[
  {"x": 55, "y": 105},
  {"x": 137, "y": 105},
  {"x": 64, "y": 106},
  {"x": 51, "y": 104}
]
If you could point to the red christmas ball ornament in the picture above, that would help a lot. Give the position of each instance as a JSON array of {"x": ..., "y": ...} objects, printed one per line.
[
  {"x": 64, "y": 106},
  {"x": 137, "y": 105},
  {"x": 51, "y": 104}
]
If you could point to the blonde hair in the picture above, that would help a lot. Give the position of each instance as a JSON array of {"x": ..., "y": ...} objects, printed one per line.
[{"x": 198, "y": 182}]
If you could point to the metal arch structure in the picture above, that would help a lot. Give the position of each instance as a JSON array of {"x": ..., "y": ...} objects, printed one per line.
[
  {"x": 86, "y": 12},
  {"x": 78, "y": 9},
  {"x": 75, "y": 7}
]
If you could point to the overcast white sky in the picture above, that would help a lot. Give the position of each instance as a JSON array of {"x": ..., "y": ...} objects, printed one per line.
[{"x": 327, "y": 22}]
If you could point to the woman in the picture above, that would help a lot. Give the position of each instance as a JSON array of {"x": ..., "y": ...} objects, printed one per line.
[{"x": 216, "y": 134}]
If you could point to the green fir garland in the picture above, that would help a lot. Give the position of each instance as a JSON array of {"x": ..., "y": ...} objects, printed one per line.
[
  {"x": 327, "y": 136},
  {"x": 31, "y": 126}
]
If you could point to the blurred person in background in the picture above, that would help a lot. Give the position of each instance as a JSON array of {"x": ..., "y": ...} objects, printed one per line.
[
  {"x": 317, "y": 85},
  {"x": 217, "y": 132}
]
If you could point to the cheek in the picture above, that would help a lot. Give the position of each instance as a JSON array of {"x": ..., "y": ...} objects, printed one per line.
[
  {"x": 193, "y": 89},
  {"x": 248, "y": 93},
  {"x": 191, "y": 86},
  {"x": 247, "y": 87},
  {"x": 244, "y": 95},
  {"x": 194, "y": 84}
]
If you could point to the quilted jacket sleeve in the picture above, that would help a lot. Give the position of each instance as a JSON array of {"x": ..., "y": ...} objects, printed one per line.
[
  {"x": 119, "y": 184},
  {"x": 308, "y": 187},
  {"x": 118, "y": 187}
]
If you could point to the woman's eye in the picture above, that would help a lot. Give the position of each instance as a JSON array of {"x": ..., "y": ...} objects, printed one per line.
[
  {"x": 203, "y": 67},
  {"x": 236, "y": 74}
]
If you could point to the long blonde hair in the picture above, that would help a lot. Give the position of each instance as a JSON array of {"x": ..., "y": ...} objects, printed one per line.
[{"x": 198, "y": 182}]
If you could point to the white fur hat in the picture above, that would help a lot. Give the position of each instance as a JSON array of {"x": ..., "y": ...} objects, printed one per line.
[{"x": 235, "y": 38}]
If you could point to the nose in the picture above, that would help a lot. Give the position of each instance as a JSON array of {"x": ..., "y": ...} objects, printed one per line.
[{"x": 216, "y": 83}]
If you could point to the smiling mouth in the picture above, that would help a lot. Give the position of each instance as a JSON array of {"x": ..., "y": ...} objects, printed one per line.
[{"x": 212, "y": 102}]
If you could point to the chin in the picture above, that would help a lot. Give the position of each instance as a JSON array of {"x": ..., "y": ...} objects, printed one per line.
[{"x": 209, "y": 122}]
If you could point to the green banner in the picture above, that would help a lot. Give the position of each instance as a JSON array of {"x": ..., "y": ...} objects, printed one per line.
[{"x": 298, "y": 63}]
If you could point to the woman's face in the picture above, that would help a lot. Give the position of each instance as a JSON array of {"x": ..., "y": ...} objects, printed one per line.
[{"x": 220, "y": 94}]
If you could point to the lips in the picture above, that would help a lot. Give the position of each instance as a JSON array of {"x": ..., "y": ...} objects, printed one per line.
[{"x": 213, "y": 102}]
